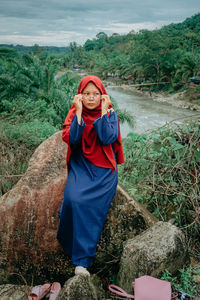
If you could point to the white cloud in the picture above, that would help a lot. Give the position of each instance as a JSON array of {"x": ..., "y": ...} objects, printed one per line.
[
  {"x": 44, "y": 38},
  {"x": 123, "y": 28}
]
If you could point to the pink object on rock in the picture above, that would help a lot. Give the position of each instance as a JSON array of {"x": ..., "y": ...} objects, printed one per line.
[
  {"x": 55, "y": 290},
  {"x": 39, "y": 291},
  {"x": 147, "y": 287}
]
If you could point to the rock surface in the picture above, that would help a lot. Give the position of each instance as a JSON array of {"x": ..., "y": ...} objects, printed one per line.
[
  {"x": 29, "y": 221},
  {"x": 158, "y": 248},
  {"x": 14, "y": 292},
  {"x": 28, "y": 215},
  {"x": 81, "y": 287}
]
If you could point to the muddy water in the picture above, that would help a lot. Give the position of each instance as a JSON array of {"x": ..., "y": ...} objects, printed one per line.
[{"x": 147, "y": 113}]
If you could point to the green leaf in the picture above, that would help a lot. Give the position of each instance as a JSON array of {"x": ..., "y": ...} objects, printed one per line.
[{"x": 196, "y": 153}]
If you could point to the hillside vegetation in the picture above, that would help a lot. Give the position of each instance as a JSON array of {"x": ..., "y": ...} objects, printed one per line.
[{"x": 170, "y": 53}]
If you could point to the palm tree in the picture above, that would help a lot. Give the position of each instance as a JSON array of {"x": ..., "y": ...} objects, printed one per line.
[{"x": 185, "y": 67}]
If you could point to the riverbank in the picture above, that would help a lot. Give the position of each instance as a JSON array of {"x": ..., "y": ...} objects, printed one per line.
[{"x": 178, "y": 99}]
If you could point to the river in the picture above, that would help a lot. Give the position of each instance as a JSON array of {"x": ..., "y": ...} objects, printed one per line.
[{"x": 148, "y": 114}]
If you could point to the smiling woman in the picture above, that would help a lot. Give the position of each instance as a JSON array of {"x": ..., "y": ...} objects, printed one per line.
[{"x": 92, "y": 133}]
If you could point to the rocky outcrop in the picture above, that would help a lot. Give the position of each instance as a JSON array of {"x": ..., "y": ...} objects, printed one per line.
[
  {"x": 29, "y": 220},
  {"x": 158, "y": 248}
]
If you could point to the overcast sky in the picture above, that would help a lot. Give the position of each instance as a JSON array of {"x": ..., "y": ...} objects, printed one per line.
[{"x": 59, "y": 22}]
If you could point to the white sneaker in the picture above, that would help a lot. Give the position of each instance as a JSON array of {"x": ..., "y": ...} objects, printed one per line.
[{"x": 79, "y": 270}]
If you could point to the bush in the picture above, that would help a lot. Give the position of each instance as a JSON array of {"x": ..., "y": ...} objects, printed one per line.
[
  {"x": 30, "y": 134},
  {"x": 185, "y": 281},
  {"x": 162, "y": 172},
  {"x": 17, "y": 144},
  {"x": 26, "y": 110}
]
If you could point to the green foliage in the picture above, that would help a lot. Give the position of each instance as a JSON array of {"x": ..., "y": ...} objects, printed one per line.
[
  {"x": 7, "y": 52},
  {"x": 28, "y": 77},
  {"x": 63, "y": 94},
  {"x": 27, "y": 110},
  {"x": 14, "y": 157},
  {"x": 162, "y": 172},
  {"x": 185, "y": 281},
  {"x": 20, "y": 133},
  {"x": 21, "y": 49},
  {"x": 34, "y": 101},
  {"x": 30, "y": 133}
]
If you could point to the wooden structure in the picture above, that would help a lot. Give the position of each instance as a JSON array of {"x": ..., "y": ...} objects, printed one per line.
[{"x": 140, "y": 84}]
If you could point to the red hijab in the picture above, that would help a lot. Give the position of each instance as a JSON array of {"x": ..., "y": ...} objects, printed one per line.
[{"x": 98, "y": 154}]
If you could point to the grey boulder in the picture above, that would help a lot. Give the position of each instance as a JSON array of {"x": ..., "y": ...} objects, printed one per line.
[
  {"x": 161, "y": 247},
  {"x": 81, "y": 287}
]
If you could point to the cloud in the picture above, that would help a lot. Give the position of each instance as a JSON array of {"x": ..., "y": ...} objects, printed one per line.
[
  {"x": 59, "y": 22},
  {"x": 123, "y": 28},
  {"x": 44, "y": 38}
]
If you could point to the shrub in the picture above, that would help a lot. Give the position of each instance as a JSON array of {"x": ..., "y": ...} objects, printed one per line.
[{"x": 162, "y": 172}]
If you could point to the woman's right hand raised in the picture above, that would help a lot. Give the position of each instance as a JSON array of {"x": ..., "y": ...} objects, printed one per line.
[
  {"x": 78, "y": 103},
  {"x": 79, "y": 106}
]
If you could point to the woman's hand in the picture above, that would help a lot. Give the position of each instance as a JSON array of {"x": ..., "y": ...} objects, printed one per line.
[
  {"x": 105, "y": 104},
  {"x": 77, "y": 102}
]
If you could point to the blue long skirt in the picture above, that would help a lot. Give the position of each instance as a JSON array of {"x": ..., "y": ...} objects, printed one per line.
[{"x": 88, "y": 193}]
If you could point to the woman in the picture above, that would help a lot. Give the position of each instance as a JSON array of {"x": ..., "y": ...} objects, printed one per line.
[{"x": 92, "y": 132}]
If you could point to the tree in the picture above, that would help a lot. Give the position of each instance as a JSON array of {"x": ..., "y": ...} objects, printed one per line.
[
  {"x": 89, "y": 45},
  {"x": 102, "y": 36}
]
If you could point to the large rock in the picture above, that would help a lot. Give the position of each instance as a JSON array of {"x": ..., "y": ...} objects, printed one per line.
[
  {"x": 29, "y": 220},
  {"x": 82, "y": 287},
  {"x": 161, "y": 247}
]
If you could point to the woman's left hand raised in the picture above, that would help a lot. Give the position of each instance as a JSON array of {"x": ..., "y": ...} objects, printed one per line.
[{"x": 105, "y": 103}]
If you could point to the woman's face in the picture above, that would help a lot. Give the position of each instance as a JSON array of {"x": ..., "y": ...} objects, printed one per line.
[{"x": 91, "y": 96}]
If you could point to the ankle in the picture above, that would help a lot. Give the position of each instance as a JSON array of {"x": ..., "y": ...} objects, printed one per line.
[{"x": 79, "y": 270}]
